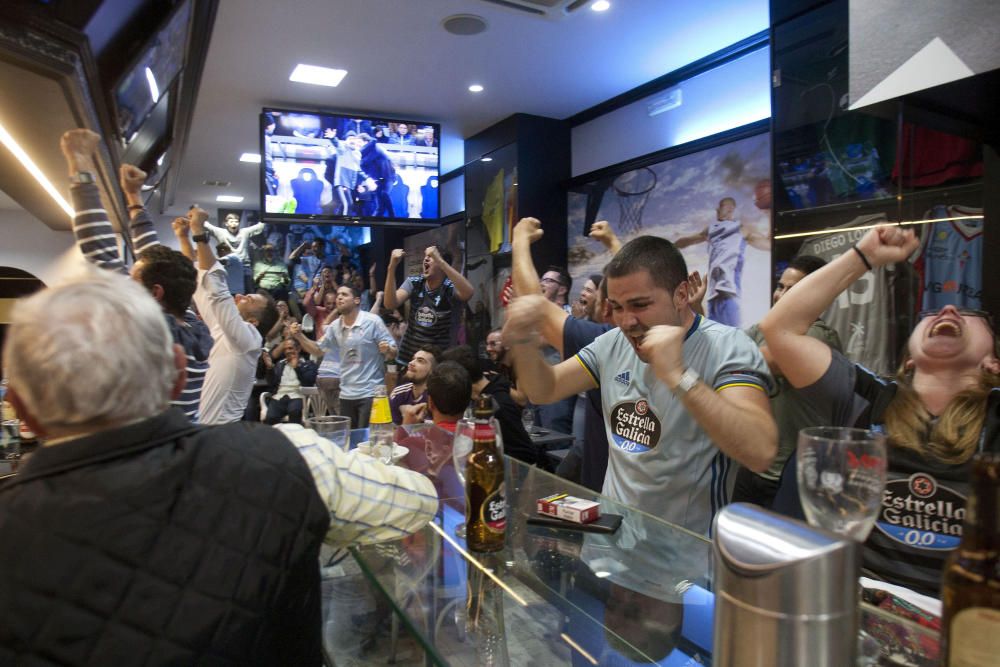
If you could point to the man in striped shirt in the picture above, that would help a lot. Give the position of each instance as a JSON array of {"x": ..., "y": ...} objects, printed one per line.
[{"x": 165, "y": 273}]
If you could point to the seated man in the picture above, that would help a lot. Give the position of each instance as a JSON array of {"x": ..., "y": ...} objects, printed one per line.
[
  {"x": 285, "y": 381},
  {"x": 414, "y": 392},
  {"x": 516, "y": 441},
  {"x": 183, "y": 544},
  {"x": 448, "y": 391}
]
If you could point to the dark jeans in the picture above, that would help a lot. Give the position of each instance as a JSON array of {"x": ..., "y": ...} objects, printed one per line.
[
  {"x": 331, "y": 393},
  {"x": 279, "y": 408},
  {"x": 752, "y": 488},
  {"x": 358, "y": 409}
]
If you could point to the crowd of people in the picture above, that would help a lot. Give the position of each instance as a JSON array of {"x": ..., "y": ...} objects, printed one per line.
[{"x": 678, "y": 408}]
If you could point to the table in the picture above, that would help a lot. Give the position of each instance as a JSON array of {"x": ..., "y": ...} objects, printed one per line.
[
  {"x": 550, "y": 597},
  {"x": 548, "y": 439}
]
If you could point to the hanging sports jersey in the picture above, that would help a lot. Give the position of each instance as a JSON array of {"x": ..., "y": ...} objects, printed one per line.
[
  {"x": 951, "y": 261},
  {"x": 863, "y": 315}
]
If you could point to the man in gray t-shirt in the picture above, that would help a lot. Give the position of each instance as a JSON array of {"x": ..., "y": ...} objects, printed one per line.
[{"x": 681, "y": 394}]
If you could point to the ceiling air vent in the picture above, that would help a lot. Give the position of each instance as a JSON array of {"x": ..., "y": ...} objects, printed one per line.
[
  {"x": 464, "y": 24},
  {"x": 552, "y": 9}
]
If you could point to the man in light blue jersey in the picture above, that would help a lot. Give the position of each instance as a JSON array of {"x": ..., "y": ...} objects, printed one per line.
[
  {"x": 727, "y": 240},
  {"x": 681, "y": 394}
]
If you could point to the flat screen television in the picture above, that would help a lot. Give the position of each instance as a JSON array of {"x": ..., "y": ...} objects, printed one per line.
[
  {"x": 152, "y": 74},
  {"x": 318, "y": 166}
]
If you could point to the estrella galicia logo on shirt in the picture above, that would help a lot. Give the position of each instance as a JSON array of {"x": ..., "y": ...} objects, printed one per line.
[
  {"x": 426, "y": 316},
  {"x": 921, "y": 513},
  {"x": 634, "y": 427}
]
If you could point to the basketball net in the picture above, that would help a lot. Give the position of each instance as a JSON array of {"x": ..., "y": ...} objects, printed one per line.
[{"x": 632, "y": 195}]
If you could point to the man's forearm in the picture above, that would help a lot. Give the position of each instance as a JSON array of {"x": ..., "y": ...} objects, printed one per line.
[
  {"x": 748, "y": 436},
  {"x": 463, "y": 288},
  {"x": 309, "y": 346},
  {"x": 523, "y": 274},
  {"x": 140, "y": 225},
  {"x": 389, "y": 296},
  {"x": 798, "y": 309},
  {"x": 535, "y": 376},
  {"x": 206, "y": 256},
  {"x": 184, "y": 243}
]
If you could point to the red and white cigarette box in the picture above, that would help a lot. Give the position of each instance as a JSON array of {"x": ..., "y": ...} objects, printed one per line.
[{"x": 569, "y": 508}]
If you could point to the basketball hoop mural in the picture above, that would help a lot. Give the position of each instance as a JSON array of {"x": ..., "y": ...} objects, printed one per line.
[{"x": 714, "y": 204}]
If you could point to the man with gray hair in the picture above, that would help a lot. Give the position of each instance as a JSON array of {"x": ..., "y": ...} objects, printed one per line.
[
  {"x": 132, "y": 502},
  {"x": 134, "y": 535}
]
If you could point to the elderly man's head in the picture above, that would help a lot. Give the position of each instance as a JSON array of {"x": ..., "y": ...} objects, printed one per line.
[{"x": 107, "y": 360}]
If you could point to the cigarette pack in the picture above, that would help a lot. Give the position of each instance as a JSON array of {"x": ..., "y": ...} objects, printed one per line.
[{"x": 569, "y": 508}]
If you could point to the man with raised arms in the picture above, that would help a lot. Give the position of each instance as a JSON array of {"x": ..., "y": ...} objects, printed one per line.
[{"x": 681, "y": 395}]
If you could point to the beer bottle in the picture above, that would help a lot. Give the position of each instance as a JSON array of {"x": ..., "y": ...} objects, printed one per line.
[
  {"x": 971, "y": 585},
  {"x": 485, "y": 502},
  {"x": 380, "y": 428}
]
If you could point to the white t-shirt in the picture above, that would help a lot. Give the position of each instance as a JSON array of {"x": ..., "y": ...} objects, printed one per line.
[
  {"x": 660, "y": 460},
  {"x": 232, "y": 363}
]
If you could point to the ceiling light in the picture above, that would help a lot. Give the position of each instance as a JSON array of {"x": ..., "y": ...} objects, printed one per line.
[
  {"x": 250, "y": 157},
  {"x": 601, "y": 6},
  {"x": 154, "y": 90},
  {"x": 233, "y": 199},
  {"x": 318, "y": 76},
  {"x": 475, "y": 88},
  {"x": 487, "y": 159},
  {"x": 33, "y": 169}
]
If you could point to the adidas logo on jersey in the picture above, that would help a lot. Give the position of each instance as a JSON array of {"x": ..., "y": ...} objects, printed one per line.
[{"x": 623, "y": 378}]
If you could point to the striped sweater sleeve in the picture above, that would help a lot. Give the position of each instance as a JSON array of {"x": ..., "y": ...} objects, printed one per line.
[
  {"x": 141, "y": 230},
  {"x": 92, "y": 228}
]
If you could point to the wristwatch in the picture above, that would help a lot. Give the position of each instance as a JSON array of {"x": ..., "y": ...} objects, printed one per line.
[
  {"x": 689, "y": 379},
  {"x": 200, "y": 238},
  {"x": 81, "y": 178}
]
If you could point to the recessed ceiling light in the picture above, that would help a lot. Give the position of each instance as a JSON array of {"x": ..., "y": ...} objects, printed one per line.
[
  {"x": 475, "y": 88},
  {"x": 601, "y": 5},
  {"x": 250, "y": 157},
  {"x": 234, "y": 199},
  {"x": 487, "y": 159},
  {"x": 7, "y": 140},
  {"x": 154, "y": 90},
  {"x": 318, "y": 76}
]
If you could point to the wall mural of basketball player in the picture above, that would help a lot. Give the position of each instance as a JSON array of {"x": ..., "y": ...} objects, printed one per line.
[
  {"x": 716, "y": 202},
  {"x": 727, "y": 240}
]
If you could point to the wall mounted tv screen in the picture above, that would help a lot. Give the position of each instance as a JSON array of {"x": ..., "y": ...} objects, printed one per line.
[{"x": 328, "y": 166}]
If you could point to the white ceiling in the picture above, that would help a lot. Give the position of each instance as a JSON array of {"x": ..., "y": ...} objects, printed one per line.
[{"x": 402, "y": 63}]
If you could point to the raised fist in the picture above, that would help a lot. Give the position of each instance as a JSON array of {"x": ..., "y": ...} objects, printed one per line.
[
  {"x": 80, "y": 142},
  {"x": 131, "y": 178},
  {"x": 528, "y": 229},
  {"x": 888, "y": 244}
]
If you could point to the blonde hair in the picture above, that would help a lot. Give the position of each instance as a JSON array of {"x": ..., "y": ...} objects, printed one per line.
[{"x": 955, "y": 436}]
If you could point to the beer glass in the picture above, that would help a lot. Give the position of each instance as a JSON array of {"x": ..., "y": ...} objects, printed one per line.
[{"x": 841, "y": 474}]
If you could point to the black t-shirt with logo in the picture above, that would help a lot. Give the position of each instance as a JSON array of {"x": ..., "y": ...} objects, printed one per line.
[
  {"x": 923, "y": 506},
  {"x": 432, "y": 312}
]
